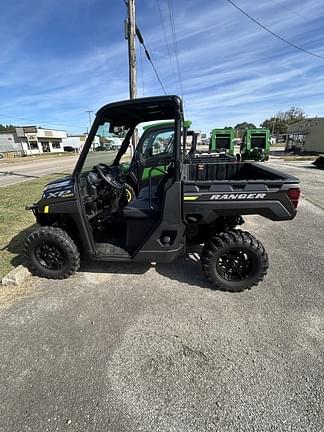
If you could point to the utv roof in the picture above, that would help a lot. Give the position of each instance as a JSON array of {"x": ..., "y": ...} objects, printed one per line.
[{"x": 133, "y": 111}]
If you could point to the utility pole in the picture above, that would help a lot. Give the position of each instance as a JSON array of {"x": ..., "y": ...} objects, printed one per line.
[
  {"x": 89, "y": 111},
  {"x": 131, "y": 35},
  {"x": 273, "y": 125}
]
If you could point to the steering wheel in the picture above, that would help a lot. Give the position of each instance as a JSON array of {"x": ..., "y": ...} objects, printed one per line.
[{"x": 107, "y": 178}]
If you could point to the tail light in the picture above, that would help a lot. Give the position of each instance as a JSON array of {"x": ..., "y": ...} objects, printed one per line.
[{"x": 294, "y": 195}]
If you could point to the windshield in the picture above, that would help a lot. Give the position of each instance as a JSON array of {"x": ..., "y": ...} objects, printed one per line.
[
  {"x": 159, "y": 142},
  {"x": 105, "y": 147}
]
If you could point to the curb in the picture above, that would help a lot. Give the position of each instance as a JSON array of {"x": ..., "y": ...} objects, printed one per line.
[{"x": 17, "y": 276}]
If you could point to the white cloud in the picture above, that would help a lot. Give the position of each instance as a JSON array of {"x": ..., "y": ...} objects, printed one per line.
[{"x": 232, "y": 70}]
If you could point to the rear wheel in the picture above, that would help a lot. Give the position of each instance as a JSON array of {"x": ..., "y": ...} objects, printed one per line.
[
  {"x": 51, "y": 253},
  {"x": 234, "y": 260}
]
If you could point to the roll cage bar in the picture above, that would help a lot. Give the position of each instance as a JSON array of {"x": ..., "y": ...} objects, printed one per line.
[{"x": 130, "y": 113}]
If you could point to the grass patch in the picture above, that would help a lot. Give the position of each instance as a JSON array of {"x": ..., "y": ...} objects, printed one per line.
[
  {"x": 50, "y": 155},
  {"x": 15, "y": 221},
  {"x": 29, "y": 158}
]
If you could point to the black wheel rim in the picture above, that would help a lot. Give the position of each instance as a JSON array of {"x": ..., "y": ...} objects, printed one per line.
[
  {"x": 50, "y": 256},
  {"x": 234, "y": 265}
]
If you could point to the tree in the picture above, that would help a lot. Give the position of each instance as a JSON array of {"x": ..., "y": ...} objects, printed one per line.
[
  {"x": 7, "y": 128},
  {"x": 240, "y": 127},
  {"x": 280, "y": 122}
]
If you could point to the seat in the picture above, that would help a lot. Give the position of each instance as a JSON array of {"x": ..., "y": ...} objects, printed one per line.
[
  {"x": 141, "y": 209},
  {"x": 157, "y": 190},
  {"x": 145, "y": 192},
  {"x": 144, "y": 208}
]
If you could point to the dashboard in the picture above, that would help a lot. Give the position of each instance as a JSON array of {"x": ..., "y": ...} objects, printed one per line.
[{"x": 103, "y": 191}]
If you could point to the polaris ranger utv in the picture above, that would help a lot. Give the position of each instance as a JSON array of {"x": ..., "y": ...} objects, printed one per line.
[{"x": 192, "y": 200}]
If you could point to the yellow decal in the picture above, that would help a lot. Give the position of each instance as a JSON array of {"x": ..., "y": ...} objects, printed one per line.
[
  {"x": 46, "y": 209},
  {"x": 190, "y": 198},
  {"x": 128, "y": 196}
]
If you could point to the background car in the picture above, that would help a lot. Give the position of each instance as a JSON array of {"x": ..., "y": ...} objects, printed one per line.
[{"x": 69, "y": 149}]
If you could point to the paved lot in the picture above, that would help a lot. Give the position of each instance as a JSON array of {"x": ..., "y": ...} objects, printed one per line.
[
  {"x": 20, "y": 171},
  {"x": 312, "y": 179},
  {"x": 17, "y": 172},
  {"x": 132, "y": 348}
]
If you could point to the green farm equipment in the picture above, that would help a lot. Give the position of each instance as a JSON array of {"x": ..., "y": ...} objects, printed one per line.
[
  {"x": 222, "y": 140},
  {"x": 256, "y": 144}
]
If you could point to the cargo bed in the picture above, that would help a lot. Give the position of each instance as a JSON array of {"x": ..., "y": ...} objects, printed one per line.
[
  {"x": 238, "y": 188},
  {"x": 233, "y": 171}
]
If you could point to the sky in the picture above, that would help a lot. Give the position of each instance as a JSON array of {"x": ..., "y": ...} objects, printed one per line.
[{"x": 60, "y": 58}]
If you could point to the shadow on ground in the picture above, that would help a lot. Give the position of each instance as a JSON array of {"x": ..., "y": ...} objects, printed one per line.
[
  {"x": 313, "y": 167},
  {"x": 12, "y": 173},
  {"x": 16, "y": 245},
  {"x": 91, "y": 266},
  {"x": 185, "y": 269}
]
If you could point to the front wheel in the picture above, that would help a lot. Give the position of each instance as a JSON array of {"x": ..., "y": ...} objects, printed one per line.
[
  {"x": 234, "y": 261},
  {"x": 51, "y": 253}
]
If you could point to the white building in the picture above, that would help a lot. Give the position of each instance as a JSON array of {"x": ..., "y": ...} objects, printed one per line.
[
  {"x": 37, "y": 140},
  {"x": 77, "y": 141}
]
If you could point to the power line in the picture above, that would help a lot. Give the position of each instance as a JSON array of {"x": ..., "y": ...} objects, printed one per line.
[
  {"x": 164, "y": 33},
  {"x": 141, "y": 41},
  {"x": 175, "y": 44},
  {"x": 275, "y": 34},
  {"x": 142, "y": 72}
]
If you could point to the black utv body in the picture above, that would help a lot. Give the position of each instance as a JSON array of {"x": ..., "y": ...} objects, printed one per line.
[{"x": 151, "y": 208}]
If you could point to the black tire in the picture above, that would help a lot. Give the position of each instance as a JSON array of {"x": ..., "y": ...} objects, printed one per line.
[
  {"x": 234, "y": 261},
  {"x": 51, "y": 253}
]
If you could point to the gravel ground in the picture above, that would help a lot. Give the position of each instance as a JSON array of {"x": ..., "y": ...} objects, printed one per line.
[{"x": 136, "y": 348}]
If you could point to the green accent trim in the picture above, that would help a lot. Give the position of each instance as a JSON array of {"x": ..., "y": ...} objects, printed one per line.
[
  {"x": 154, "y": 125},
  {"x": 186, "y": 124},
  {"x": 190, "y": 198},
  {"x": 154, "y": 173}
]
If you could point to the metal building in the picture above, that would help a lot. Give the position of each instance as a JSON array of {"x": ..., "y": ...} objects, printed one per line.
[
  {"x": 10, "y": 143},
  {"x": 306, "y": 135}
]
